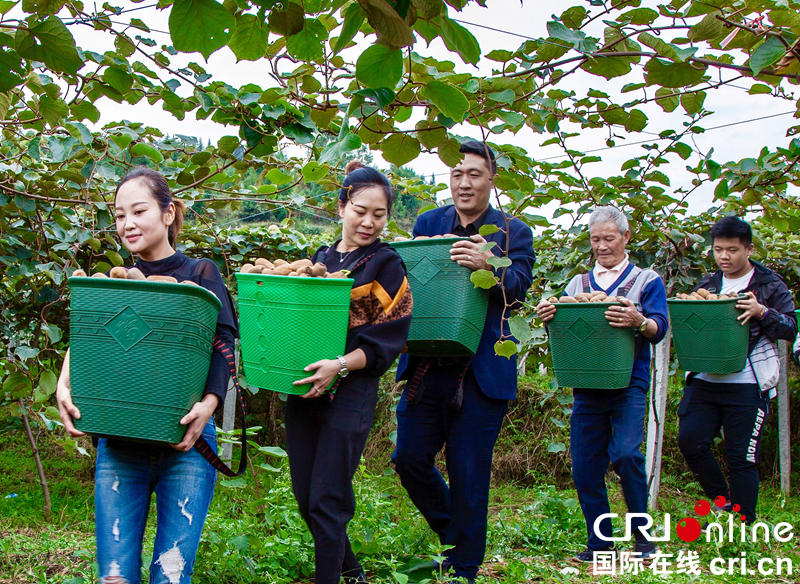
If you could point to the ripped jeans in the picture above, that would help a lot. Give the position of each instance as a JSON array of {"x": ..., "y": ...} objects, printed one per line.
[{"x": 126, "y": 475}]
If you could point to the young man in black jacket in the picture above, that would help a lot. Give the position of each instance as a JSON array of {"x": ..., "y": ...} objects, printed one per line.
[{"x": 737, "y": 402}]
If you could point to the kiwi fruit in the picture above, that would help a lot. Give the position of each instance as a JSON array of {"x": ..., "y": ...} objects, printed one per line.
[
  {"x": 712, "y": 297},
  {"x": 337, "y": 275},
  {"x": 422, "y": 237},
  {"x": 135, "y": 274},
  {"x": 246, "y": 268},
  {"x": 282, "y": 270},
  {"x": 191, "y": 283},
  {"x": 583, "y": 297},
  {"x": 567, "y": 300},
  {"x": 169, "y": 279},
  {"x": 78, "y": 274},
  {"x": 319, "y": 270},
  {"x": 553, "y": 300},
  {"x": 599, "y": 298},
  {"x": 118, "y": 273},
  {"x": 263, "y": 262},
  {"x": 703, "y": 292},
  {"x": 99, "y": 275},
  {"x": 400, "y": 238},
  {"x": 256, "y": 270},
  {"x": 277, "y": 263},
  {"x": 301, "y": 264}
]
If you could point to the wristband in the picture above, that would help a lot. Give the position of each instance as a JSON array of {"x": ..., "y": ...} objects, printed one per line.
[{"x": 763, "y": 314}]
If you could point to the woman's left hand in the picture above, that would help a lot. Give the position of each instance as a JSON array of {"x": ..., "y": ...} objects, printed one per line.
[
  {"x": 752, "y": 308},
  {"x": 325, "y": 372},
  {"x": 196, "y": 420}
]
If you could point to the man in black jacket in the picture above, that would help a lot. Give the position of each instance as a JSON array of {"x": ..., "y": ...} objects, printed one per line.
[{"x": 737, "y": 402}]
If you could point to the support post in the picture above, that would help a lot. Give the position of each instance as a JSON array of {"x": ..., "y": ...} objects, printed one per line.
[
  {"x": 655, "y": 419},
  {"x": 229, "y": 412},
  {"x": 784, "y": 429}
]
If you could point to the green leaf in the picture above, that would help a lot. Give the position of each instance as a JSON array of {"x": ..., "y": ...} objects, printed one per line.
[
  {"x": 499, "y": 262},
  {"x": 759, "y": 88},
  {"x": 459, "y": 39},
  {"x": 392, "y": 30},
  {"x": 666, "y": 74},
  {"x": 335, "y": 150},
  {"x": 278, "y": 177},
  {"x": 314, "y": 172},
  {"x": 236, "y": 483},
  {"x": 79, "y": 131},
  {"x": 84, "y": 110},
  {"x": 201, "y": 26},
  {"x": 520, "y": 328},
  {"x": 693, "y": 102},
  {"x": 250, "y": 38},
  {"x": 115, "y": 258},
  {"x": 273, "y": 451},
  {"x": 556, "y": 447},
  {"x": 52, "y": 110},
  {"x": 430, "y": 138},
  {"x": 353, "y": 19},
  {"x": 306, "y": 45},
  {"x": 505, "y": 96},
  {"x": 505, "y": 348},
  {"x": 46, "y": 387},
  {"x": 53, "y": 332},
  {"x": 488, "y": 229},
  {"x": 11, "y": 70},
  {"x": 24, "y": 352},
  {"x": 118, "y": 79},
  {"x": 449, "y": 152},
  {"x": 664, "y": 49},
  {"x": 639, "y": 16},
  {"x": 448, "y": 99},
  {"x": 42, "y": 6},
  {"x": 142, "y": 149},
  {"x": 17, "y": 385},
  {"x": 666, "y": 99},
  {"x": 608, "y": 67},
  {"x": 50, "y": 43},
  {"x": 636, "y": 121},
  {"x": 400, "y": 149},
  {"x": 378, "y": 66},
  {"x": 483, "y": 279},
  {"x": 287, "y": 22},
  {"x": 124, "y": 46},
  {"x": 709, "y": 28},
  {"x": 767, "y": 53}
]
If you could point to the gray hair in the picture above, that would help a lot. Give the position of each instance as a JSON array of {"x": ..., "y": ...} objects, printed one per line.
[{"x": 608, "y": 214}]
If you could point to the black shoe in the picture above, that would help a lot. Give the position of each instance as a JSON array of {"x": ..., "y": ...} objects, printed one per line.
[
  {"x": 587, "y": 555},
  {"x": 645, "y": 550},
  {"x": 360, "y": 578}
]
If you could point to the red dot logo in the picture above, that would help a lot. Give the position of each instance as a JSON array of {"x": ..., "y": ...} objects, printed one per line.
[
  {"x": 688, "y": 529},
  {"x": 702, "y": 508},
  {"x": 736, "y": 508},
  {"x": 743, "y": 518},
  {"x": 720, "y": 501}
]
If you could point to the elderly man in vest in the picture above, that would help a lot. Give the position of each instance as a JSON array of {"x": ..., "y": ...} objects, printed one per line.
[{"x": 607, "y": 426}]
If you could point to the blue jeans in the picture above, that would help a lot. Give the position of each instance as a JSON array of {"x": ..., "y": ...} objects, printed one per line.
[
  {"x": 458, "y": 512},
  {"x": 126, "y": 475},
  {"x": 608, "y": 426}
]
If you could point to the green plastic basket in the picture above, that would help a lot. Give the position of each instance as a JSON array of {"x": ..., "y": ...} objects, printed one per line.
[
  {"x": 707, "y": 336},
  {"x": 449, "y": 311},
  {"x": 288, "y": 323},
  {"x": 587, "y": 351},
  {"x": 139, "y": 355}
]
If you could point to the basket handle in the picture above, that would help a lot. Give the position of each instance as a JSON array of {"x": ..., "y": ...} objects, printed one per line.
[{"x": 202, "y": 446}]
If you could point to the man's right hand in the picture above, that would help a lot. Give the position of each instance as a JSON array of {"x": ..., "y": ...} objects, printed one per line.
[
  {"x": 546, "y": 311},
  {"x": 67, "y": 410}
]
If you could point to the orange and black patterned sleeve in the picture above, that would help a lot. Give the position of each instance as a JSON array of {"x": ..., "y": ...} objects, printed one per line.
[{"x": 380, "y": 311}]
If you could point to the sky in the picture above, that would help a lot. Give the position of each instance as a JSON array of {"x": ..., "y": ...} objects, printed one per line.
[{"x": 512, "y": 20}]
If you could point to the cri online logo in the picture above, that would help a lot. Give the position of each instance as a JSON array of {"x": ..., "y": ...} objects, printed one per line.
[{"x": 688, "y": 528}]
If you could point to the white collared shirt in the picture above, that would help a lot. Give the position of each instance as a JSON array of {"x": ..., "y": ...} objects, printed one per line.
[{"x": 607, "y": 276}]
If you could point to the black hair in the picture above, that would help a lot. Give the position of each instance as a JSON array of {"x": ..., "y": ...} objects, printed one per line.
[
  {"x": 159, "y": 190},
  {"x": 732, "y": 227},
  {"x": 482, "y": 150},
  {"x": 360, "y": 177}
]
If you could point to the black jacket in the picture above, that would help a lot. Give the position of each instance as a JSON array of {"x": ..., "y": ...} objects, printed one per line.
[{"x": 780, "y": 321}]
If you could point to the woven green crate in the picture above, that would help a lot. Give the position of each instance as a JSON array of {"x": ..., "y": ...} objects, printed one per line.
[
  {"x": 139, "y": 355},
  {"x": 449, "y": 312},
  {"x": 586, "y": 350},
  {"x": 707, "y": 336},
  {"x": 287, "y": 323}
]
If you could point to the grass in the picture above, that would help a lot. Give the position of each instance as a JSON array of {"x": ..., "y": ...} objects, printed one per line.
[{"x": 254, "y": 534}]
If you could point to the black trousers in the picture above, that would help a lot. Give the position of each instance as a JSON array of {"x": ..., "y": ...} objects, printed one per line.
[
  {"x": 325, "y": 440},
  {"x": 742, "y": 412}
]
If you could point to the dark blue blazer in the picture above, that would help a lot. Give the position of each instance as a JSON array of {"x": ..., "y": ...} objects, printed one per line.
[{"x": 497, "y": 376}]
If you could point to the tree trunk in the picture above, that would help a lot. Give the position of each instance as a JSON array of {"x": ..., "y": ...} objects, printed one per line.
[{"x": 42, "y": 478}]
